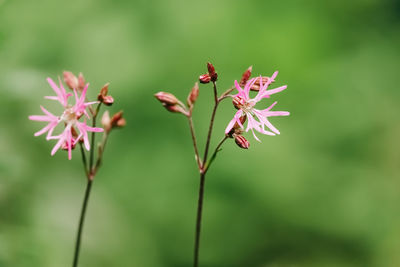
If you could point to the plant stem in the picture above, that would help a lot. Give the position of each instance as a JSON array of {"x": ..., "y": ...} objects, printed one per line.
[
  {"x": 92, "y": 141},
  {"x": 81, "y": 222},
  {"x": 101, "y": 151},
  {"x": 84, "y": 160},
  {"x": 196, "y": 150},
  {"x": 211, "y": 124},
  {"x": 203, "y": 179},
  {"x": 208, "y": 164},
  {"x": 198, "y": 219}
]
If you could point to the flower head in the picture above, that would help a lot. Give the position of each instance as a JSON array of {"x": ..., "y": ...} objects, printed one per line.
[
  {"x": 75, "y": 130},
  {"x": 257, "y": 119}
]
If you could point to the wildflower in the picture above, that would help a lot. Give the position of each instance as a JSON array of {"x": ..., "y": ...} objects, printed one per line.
[
  {"x": 257, "y": 119},
  {"x": 70, "y": 117}
]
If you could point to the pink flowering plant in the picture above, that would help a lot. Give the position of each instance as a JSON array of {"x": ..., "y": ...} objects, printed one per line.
[
  {"x": 257, "y": 121},
  {"x": 72, "y": 129}
]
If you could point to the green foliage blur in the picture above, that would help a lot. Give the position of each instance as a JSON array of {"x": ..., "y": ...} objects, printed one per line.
[{"x": 325, "y": 192}]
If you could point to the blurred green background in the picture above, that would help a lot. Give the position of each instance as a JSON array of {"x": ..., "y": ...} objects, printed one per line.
[{"x": 326, "y": 192}]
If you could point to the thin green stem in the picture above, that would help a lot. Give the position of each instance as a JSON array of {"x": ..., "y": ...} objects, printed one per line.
[
  {"x": 198, "y": 219},
  {"x": 85, "y": 167},
  {"x": 217, "y": 149},
  {"x": 196, "y": 150},
  {"x": 211, "y": 124},
  {"x": 81, "y": 222},
  {"x": 91, "y": 159}
]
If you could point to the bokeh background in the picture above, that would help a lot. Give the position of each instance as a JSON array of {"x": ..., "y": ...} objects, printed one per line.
[{"x": 326, "y": 192}]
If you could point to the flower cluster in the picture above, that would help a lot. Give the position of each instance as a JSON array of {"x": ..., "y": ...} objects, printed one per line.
[
  {"x": 256, "y": 119},
  {"x": 74, "y": 117}
]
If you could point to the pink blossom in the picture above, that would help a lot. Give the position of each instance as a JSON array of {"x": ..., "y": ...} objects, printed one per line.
[
  {"x": 70, "y": 119},
  {"x": 257, "y": 119}
]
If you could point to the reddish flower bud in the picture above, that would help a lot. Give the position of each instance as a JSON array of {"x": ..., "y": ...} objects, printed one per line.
[
  {"x": 193, "y": 95},
  {"x": 242, "y": 142},
  {"x": 166, "y": 98},
  {"x": 205, "y": 78},
  {"x": 104, "y": 90},
  {"x": 116, "y": 121},
  {"x": 175, "y": 109},
  {"x": 116, "y": 117},
  {"x": 103, "y": 97},
  {"x": 211, "y": 72},
  {"x": 70, "y": 80},
  {"x": 121, "y": 123},
  {"x": 246, "y": 75},
  {"x": 108, "y": 100},
  {"x": 256, "y": 85},
  {"x": 81, "y": 82},
  {"x": 237, "y": 102}
]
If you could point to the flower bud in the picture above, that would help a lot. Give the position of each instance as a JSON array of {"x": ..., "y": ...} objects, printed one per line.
[
  {"x": 175, "y": 109},
  {"x": 117, "y": 121},
  {"x": 121, "y": 123},
  {"x": 81, "y": 82},
  {"x": 104, "y": 90},
  {"x": 256, "y": 85},
  {"x": 106, "y": 121},
  {"x": 70, "y": 80},
  {"x": 166, "y": 98},
  {"x": 237, "y": 102},
  {"x": 205, "y": 78},
  {"x": 103, "y": 97},
  {"x": 246, "y": 75},
  {"x": 211, "y": 72},
  {"x": 242, "y": 142},
  {"x": 193, "y": 95}
]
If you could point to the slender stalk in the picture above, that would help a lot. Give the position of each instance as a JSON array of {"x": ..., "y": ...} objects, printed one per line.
[
  {"x": 196, "y": 150},
  {"x": 101, "y": 151},
  {"x": 211, "y": 123},
  {"x": 91, "y": 159},
  {"x": 203, "y": 170},
  {"x": 81, "y": 222},
  {"x": 217, "y": 148},
  {"x": 84, "y": 160},
  {"x": 198, "y": 219}
]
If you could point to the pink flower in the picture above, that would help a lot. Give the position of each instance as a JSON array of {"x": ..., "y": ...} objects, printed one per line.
[
  {"x": 70, "y": 118},
  {"x": 257, "y": 119}
]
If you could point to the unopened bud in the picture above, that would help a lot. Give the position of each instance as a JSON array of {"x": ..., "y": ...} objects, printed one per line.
[
  {"x": 117, "y": 121},
  {"x": 242, "y": 142},
  {"x": 70, "y": 80},
  {"x": 103, "y": 97},
  {"x": 166, "y": 98},
  {"x": 108, "y": 100},
  {"x": 121, "y": 123},
  {"x": 211, "y": 72},
  {"x": 237, "y": 102},
  {"x": 175, "y": 109},
  {"x": 81, "y": 82},
  {"x": 257, "y": 84},
  {"x": 106, "y": 121},
  {"x": 104, "y": 90},
  {"x": 205, "y": 78},
  {"x": 246, "y": 75},
  {"x": 193, "y": 95}
]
